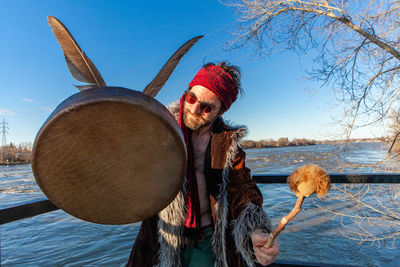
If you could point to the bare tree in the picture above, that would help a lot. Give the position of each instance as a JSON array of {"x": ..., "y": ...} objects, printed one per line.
[
  {"x": 394, "y": 124},
  {"x": 357, "y": 45},
  {"x": 283, "y": 141},
  {"x": 368, "y": 213},
  {"x": 12, "y": 154}
]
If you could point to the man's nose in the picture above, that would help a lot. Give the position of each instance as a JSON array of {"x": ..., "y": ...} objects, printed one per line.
[{"x": 195, "y": 108}]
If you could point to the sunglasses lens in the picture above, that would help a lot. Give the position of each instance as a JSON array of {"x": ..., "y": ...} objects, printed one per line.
[
  {"x": 190, "y": 99},
  {"x": 207, "y": 108}
]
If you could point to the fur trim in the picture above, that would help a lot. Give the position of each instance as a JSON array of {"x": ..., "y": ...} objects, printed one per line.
[
  {"x": 221, "y": 211},
  {"x": 172, "y": 219},
  {"x": 170, "y": 232},
  {"x": 174, "y": 109},
  {"x": 239, "y": 131},
  {"x": 250, "y": 219},
  {"x": 222, "y": 206}
]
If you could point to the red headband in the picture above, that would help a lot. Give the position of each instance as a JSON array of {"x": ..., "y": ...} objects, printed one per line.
[{"x": 219, "y": 81}]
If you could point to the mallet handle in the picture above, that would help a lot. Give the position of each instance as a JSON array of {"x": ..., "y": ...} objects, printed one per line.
[{"x": 281, "y": 226}]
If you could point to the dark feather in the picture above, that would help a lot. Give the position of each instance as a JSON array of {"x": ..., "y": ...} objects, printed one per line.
[
  {"x": 80, "y": 66},
  {"x": 163, "y": 75},
  {"x": 85, "y": 87}
]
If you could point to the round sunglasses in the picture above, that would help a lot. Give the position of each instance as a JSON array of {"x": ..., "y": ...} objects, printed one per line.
[{"x": 205, "y": 107}]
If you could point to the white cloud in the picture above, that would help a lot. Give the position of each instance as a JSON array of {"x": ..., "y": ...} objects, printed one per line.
[
  {"x": 29, "y": 100},
  {"x": 7, "y": 112}
]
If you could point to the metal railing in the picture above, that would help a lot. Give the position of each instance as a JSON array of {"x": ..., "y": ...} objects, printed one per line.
[{"x": 29, "y": 209}]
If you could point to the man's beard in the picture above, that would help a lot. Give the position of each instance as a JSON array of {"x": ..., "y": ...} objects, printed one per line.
[{"x": 195, "y": 122}]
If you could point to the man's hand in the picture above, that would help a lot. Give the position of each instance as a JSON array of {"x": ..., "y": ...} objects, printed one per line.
[{"x": 264, "y": 256}]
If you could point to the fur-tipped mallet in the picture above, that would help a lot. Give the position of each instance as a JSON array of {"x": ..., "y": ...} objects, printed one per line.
[{"x": 304, "y": 181}]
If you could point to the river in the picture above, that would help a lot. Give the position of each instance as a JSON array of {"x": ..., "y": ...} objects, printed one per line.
[{"x": 58, "y": 239}]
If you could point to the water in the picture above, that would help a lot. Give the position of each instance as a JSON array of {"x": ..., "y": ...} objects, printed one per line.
[
  {"x": 58, "y": 239},
  {"x": 350, "y": 158}
]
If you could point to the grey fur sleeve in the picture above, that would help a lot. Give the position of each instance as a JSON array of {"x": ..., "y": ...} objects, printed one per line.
[
  {"x": 174, "y": 109},
  {"x": 250, "y": 219}
]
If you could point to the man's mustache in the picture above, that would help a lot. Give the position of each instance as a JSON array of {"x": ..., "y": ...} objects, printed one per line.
[{"x": 194, "y": 115}]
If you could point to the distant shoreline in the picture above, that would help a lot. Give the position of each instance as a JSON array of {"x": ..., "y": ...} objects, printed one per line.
[
  {"x": 250, "y": 144},
  {"x": 15, "y": 163},
  {"x": 284, "y": 142},
  {"x": 277, "y": 146}
]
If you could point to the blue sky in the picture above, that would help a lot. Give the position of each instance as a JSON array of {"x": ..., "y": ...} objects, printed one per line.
[{"x": 129, "y": 41}]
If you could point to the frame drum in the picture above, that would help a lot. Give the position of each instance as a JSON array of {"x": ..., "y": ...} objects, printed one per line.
[{"x": 110, "y": 155}]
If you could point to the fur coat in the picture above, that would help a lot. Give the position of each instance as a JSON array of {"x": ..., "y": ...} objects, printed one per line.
[{"x": 236, "y": 209}]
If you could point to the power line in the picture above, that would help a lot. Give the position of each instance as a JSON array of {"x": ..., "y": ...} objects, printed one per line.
[
  {"x": 4, "y": 132},
  {"x": 4, "y": 128}
]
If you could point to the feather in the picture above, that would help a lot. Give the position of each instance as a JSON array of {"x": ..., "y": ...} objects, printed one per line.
[
  {"x": 163, "y": 75},
  {"x": 80, "y": 66},
  {"x": 85, "y": 87}
]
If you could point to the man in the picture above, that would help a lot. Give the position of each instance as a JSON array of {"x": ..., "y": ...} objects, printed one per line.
[{"x": 217, "y": 218}]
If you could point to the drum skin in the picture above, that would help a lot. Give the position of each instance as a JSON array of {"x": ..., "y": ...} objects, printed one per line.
[{"x": 110, "y": 155}]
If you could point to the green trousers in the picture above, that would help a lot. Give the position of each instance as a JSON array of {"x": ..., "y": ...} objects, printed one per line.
[{"x": 201, "y": 255}]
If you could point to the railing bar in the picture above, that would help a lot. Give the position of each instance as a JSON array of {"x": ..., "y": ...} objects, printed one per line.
[
  {"x": 32, "y": 209},
  {"x": 25, "y": 211},
  {"x": 336, "y": 178}
]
